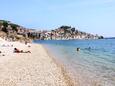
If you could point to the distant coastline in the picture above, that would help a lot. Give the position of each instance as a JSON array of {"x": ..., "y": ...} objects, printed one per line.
[
  {"x": 15, "y": 32},
  {"x": 109, "y": 38}
]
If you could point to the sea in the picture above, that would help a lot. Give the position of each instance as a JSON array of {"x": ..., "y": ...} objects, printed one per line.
[{"x": 92, "y": 65}]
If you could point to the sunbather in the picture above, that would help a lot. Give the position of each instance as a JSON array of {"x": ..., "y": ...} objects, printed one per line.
[
  {"x": 20, "y": 51},
  {"x": 2, "y": 54}
]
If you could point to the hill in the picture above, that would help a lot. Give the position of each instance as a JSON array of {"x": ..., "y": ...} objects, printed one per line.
[
  {"x": 66, "y": 33},
  {"x": 14, "y": 32}
]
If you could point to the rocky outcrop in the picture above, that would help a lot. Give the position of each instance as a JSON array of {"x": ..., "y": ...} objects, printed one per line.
[
  {"x": 67, "y": 33},
  {"x": 16, "y": 32}
]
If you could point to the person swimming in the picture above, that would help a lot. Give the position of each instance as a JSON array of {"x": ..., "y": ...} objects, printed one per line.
[
  {"x": 89, "y": 48},
  {"x": 78, "y": 49}
]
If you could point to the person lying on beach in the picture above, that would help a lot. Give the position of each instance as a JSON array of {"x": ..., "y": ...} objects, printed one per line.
[
  {"x": 26, "y": 42},
  {"x": 7, "y": 45},
  {"x": 20, "y": 51},
  {"x": 2, "y": 54}
]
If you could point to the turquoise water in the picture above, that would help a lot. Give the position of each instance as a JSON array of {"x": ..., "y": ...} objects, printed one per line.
[{"x": 94, "y": 66}]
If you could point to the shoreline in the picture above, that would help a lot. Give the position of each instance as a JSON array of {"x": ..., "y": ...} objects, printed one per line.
[
  {"x": 30, "y": 69},
  {"x": 69, "y": 80}
]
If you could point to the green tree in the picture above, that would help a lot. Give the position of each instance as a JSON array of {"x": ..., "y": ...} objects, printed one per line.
[
  {"x": 5, "y": 24},
  {"x": 66, "y": 29},
  {"x": 72, "y": 30},
  {"x": 101, "y": 37},
  {"x": 14, "y": 27}
]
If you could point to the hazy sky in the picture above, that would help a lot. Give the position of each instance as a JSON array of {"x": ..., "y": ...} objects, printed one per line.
[{"x": 94, "y": 16}]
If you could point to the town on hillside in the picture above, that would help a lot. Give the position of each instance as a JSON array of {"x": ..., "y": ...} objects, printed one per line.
[{"x": 14, "y": 32}]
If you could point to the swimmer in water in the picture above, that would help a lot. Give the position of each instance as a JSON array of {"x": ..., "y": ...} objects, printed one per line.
[{"x": 78, "y": 49}]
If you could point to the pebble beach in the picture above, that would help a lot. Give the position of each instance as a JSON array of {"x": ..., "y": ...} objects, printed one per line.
[{"x": 29, "y": 69}]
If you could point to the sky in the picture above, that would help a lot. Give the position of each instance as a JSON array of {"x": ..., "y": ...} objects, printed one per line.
[{"x": 93, "y": 16}]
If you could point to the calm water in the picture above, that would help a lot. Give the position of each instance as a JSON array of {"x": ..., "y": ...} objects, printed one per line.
[{"x": 90, "y": 67}]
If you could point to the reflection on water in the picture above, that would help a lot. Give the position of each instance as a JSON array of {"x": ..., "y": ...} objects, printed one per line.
[{"x": 93, "y": 65}]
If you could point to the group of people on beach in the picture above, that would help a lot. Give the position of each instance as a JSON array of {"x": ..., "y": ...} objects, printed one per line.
[{"x": 15, "y": 50}]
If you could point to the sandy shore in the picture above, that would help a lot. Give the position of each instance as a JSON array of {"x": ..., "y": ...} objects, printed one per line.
[{"x": 29, "y": 69}]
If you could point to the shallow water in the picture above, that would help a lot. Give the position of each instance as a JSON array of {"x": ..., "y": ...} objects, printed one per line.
[{"x": 94, "y": 66}]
